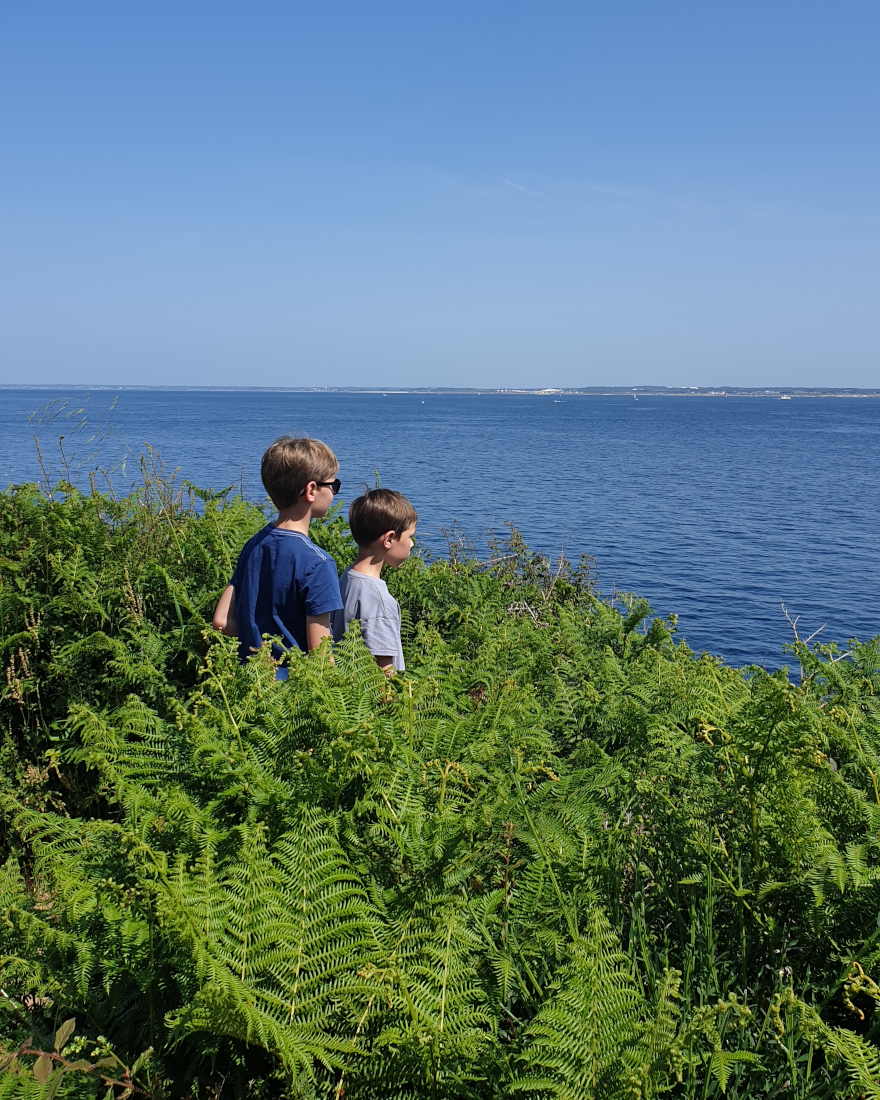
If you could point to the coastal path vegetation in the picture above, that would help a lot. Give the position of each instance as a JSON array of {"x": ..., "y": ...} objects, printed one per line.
[{"x": 562, "y": 856}]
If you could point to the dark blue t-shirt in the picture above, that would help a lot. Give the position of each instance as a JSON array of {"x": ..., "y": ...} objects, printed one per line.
[{"x": 281, "y": 577}]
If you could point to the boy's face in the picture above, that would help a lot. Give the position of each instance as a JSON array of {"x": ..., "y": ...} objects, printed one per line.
[
  {"x": 320, "y": 495},
  {"x": 323, "y": 501},
  {"x": 398, "y": 547}
]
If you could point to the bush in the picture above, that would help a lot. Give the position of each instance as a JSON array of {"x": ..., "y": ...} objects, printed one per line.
[{"x": 562, "y": 856}]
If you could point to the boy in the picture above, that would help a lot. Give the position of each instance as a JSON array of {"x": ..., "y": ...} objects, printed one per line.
[
  {"x": 284, "y": 584},
  {"x": 383, "y": 524}
]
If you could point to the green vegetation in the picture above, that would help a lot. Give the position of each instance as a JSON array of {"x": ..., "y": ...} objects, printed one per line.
[{"x": 563, "y": 856}]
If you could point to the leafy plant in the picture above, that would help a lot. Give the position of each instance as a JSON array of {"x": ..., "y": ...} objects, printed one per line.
[{"x": 563, "y": 856}]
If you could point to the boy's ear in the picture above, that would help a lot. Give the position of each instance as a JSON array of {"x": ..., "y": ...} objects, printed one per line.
[{"x": 388, "y": 538}]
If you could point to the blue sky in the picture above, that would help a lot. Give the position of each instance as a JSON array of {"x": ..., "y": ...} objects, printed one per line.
[{"x": 489, "y": 194}]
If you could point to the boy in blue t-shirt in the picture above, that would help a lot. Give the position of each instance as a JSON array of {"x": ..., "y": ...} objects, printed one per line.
[{"x": 283, "y": 584}]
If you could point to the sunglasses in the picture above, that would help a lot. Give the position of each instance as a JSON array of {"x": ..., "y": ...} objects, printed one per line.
[{"x": 335, "y": 485}]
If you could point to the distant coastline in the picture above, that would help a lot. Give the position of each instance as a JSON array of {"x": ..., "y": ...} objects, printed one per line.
[{"x": 440, "y": 391}]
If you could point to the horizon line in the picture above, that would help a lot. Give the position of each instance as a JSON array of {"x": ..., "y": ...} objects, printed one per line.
[{"x": 548, "y": 391}]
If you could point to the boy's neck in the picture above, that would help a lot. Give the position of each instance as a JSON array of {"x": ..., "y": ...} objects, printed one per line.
[
  {"x": 369, "y": 561},
  {"x": 295, "y": 518}
]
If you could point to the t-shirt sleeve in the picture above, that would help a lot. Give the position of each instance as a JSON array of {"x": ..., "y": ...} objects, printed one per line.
[
  {"x": 379, "y": 625},
  {"x": 381, "y": 636},
  {"x": 321, "y": 590}
]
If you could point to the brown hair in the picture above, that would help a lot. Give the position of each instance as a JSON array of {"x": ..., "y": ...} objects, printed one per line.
[
  {"x": 378, "y": 511},
  {"x": 290, "y": 464}
]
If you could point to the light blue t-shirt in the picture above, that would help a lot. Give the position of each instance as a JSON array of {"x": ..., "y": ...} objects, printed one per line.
[{"x": 368, "y": 599}]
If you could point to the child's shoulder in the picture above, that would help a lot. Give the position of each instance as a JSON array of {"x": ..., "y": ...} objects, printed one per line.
[
  {"x": 300, "y": 545},
  {"x": 356, "y": 577},
  {"x": 285, "y": 544},
  {"x": 256, "y": 540},
  {"x": 364, "y": 591}
]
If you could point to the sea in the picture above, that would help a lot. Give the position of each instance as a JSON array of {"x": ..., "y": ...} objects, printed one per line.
[{"x": 727, "y": 511}]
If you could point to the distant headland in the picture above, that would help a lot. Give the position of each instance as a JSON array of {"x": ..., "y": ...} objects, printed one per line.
[{"x": 564, "y": 391}]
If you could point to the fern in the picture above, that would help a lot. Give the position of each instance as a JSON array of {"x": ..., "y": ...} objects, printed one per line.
[
  {"x": 562, "y": 856},
  {"x": 589, "y": 1038}
]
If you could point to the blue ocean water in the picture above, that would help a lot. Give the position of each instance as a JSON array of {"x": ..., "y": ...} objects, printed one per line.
[{"x": 719, "y": 509}]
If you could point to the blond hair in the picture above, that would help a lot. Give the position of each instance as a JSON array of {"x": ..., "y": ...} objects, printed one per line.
[
  {"x": 378, "y": 511},
  {"x": 291, "y": 463}
]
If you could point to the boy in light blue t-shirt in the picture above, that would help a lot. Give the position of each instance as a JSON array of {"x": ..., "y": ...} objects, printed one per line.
[{"x": 383, "y": 524}]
